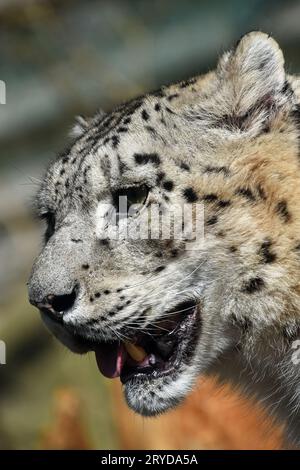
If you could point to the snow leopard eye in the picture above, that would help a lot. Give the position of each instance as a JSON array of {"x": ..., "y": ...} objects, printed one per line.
[
  {"x": 49, "y": 218},
  {"x": 129, "y": 201}
]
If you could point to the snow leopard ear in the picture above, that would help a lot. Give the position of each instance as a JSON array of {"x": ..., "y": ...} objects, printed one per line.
[{"x": 253, "y": 73}]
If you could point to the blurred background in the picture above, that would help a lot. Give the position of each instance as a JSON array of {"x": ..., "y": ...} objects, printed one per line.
[{"x": 60, "y": 58}]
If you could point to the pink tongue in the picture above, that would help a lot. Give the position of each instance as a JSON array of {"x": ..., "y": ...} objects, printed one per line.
[{"x": 110, "y": 359}]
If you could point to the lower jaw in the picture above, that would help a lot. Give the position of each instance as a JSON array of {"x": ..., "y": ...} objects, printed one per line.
[{"x": 150, "y": 398}]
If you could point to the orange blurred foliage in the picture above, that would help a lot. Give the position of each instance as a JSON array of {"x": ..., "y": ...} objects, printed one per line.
[
  {"x": 67, "y": 430},
  {"x": 212, "y": 417}
]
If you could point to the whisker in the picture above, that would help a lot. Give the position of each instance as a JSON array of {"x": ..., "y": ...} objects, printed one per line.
[
  {"x": 121, "y": 336},
  {"x": 154, "y": 277},
  {"x": 172, "y": 286},
  {"x": 32, "y": 179}
]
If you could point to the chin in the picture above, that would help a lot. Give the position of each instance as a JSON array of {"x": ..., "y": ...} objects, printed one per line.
[{"x": 154, "y": 397}]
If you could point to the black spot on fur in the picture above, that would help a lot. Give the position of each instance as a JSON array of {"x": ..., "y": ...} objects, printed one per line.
[
  {"x": 190, "y": 195},
  {"x": 85, "y": 266},
  {"x": 174, "y": 252},
  {"x": 97, "y": 294},
  {"x": 210, "y": 197},
  {"x": 217, "y": 169},
  {"x": 184, "y": 166},
  {"x": 232, "y": 249},
  {"x": 212, "y": 220},
  {"x": 119, "y": 289},
  {"x": 144, "y": 158},
  {"x": 265, "y": 251},
  {"x": 282, "y": 211},
  {"x": 115, "y": 141},
  {"x": 254, "y": 284},
  {"x": 186, "y": 83},
  {"x": 245, "y": 192},
  {"x": 171, "y": 97},
  {"x": 224, "y": 203},
  {"x": 127, "y": 120},
  {"x": 159, "y": 269},
  {"x": 169, "y": 110},
  {"x": 65, "y": 159},
  {"x": 106, "y": 291},
  {"x": 122, "y": 129},
  {"x": 91, "y": 299},
  {"x": 157, "y": 107},
  {"x": 168, "y": 185},
  {"x": 76, "y": 240},
  {"x": 104, "y": 242},
  {"x": 160, "y": 176},
  {"x": 145, "y": 115}
]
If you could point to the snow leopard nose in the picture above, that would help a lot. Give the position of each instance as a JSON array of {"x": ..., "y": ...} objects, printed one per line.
[{"x": 56, "y": 305}]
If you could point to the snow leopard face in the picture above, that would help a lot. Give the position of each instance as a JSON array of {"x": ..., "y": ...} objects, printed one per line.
[{"x": 156, "y": 312}]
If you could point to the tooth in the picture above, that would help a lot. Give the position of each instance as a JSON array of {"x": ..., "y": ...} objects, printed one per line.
[{"x": 136, "y": 352}]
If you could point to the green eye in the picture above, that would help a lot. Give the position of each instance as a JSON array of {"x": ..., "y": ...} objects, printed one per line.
[{"x": 124, "y": 199}]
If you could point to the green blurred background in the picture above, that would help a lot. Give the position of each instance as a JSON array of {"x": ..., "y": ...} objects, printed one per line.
[{"x": 60, "y": 58}]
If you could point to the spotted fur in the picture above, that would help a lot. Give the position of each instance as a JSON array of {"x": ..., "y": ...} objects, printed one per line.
[{"x": 230, "y": 140}]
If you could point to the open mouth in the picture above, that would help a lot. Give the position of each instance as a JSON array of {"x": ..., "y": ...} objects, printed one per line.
[{"x": 157, "y": 351}]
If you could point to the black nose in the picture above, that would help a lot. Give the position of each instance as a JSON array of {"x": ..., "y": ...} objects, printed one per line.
[
  {"x": 57, "y": 305},
  {"x": 62, "y": 303}
]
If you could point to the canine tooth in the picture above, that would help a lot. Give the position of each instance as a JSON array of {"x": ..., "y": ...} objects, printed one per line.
[{"x": 136, "y": 352}]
